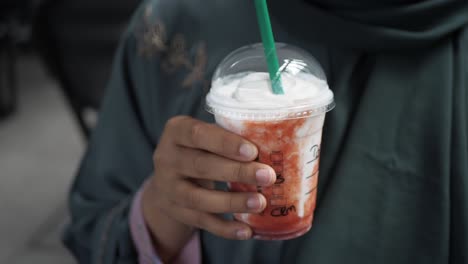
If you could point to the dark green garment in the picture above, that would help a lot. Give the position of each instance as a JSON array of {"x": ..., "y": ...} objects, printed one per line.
[{"x": 393, "y": 182}]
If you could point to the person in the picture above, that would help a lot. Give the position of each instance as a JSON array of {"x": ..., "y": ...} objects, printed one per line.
[{"x": 394, "y": 170}]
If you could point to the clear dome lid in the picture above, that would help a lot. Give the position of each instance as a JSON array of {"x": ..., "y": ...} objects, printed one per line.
[{"x": 241, "y": 88}]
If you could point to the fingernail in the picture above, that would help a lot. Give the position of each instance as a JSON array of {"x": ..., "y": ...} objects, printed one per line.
[
  {"x": 243, "y": 234},
  {"x": 248, "y": 151},
  {"x": 254, "y": 203},
  {"x": 263, "y": 177}
]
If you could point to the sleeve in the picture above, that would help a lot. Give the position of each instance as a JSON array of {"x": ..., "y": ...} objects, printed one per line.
[
  {"x": 118, "y": 159},
  {"x": 190, "y": 254}
]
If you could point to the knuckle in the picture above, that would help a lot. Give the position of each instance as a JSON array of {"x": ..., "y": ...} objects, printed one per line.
[
  {"x": 238, "y": 172},
  {"x": 195, "y": 133},
  {"x": 198, "y": 164},
  {"x": 194, "y": 198},
  {"x": 173, "y": 199},
  {"x": 231, "y": 203},
  {"x": 179, "y": 194},
  {"x": 165, "y": 195},
  {"x": 164, "y": 161},
  {"x": 175, "y": 121}
]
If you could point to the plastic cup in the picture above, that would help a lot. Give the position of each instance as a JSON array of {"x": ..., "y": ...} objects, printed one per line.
[{"x": 288, "y": 137}]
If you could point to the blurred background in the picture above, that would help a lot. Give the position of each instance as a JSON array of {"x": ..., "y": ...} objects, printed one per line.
[{"x": 55, "y": 58}]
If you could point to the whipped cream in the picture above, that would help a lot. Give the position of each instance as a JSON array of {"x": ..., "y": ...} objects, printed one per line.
[{"x": 252, "y": 90}]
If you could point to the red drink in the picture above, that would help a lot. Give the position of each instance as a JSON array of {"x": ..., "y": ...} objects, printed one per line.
[{"x": 292, "y": 148}]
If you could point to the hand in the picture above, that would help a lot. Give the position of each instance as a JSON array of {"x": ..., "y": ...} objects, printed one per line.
[{"x": 180, "y": 197}]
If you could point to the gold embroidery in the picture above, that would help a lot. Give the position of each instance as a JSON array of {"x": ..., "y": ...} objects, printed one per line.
[
  {"x": 152, "y": 38},
  {"x": 177, "y": 56},
  {"x": 198, "y": 68},
  {"x": 154, "y": 41}
]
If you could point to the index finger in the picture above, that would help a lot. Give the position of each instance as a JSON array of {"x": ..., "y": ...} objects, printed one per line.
[{"x": 189, "y": 132}]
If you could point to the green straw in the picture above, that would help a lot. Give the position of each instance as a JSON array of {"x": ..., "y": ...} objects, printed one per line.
[{"x": 269, "y": 46}]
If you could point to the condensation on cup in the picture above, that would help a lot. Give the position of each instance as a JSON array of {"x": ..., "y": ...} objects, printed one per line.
[{"x": 287, "y": 129}]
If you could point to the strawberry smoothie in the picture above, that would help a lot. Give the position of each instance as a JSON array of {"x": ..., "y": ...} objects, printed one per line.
[{"x": 287, "y": 130}]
